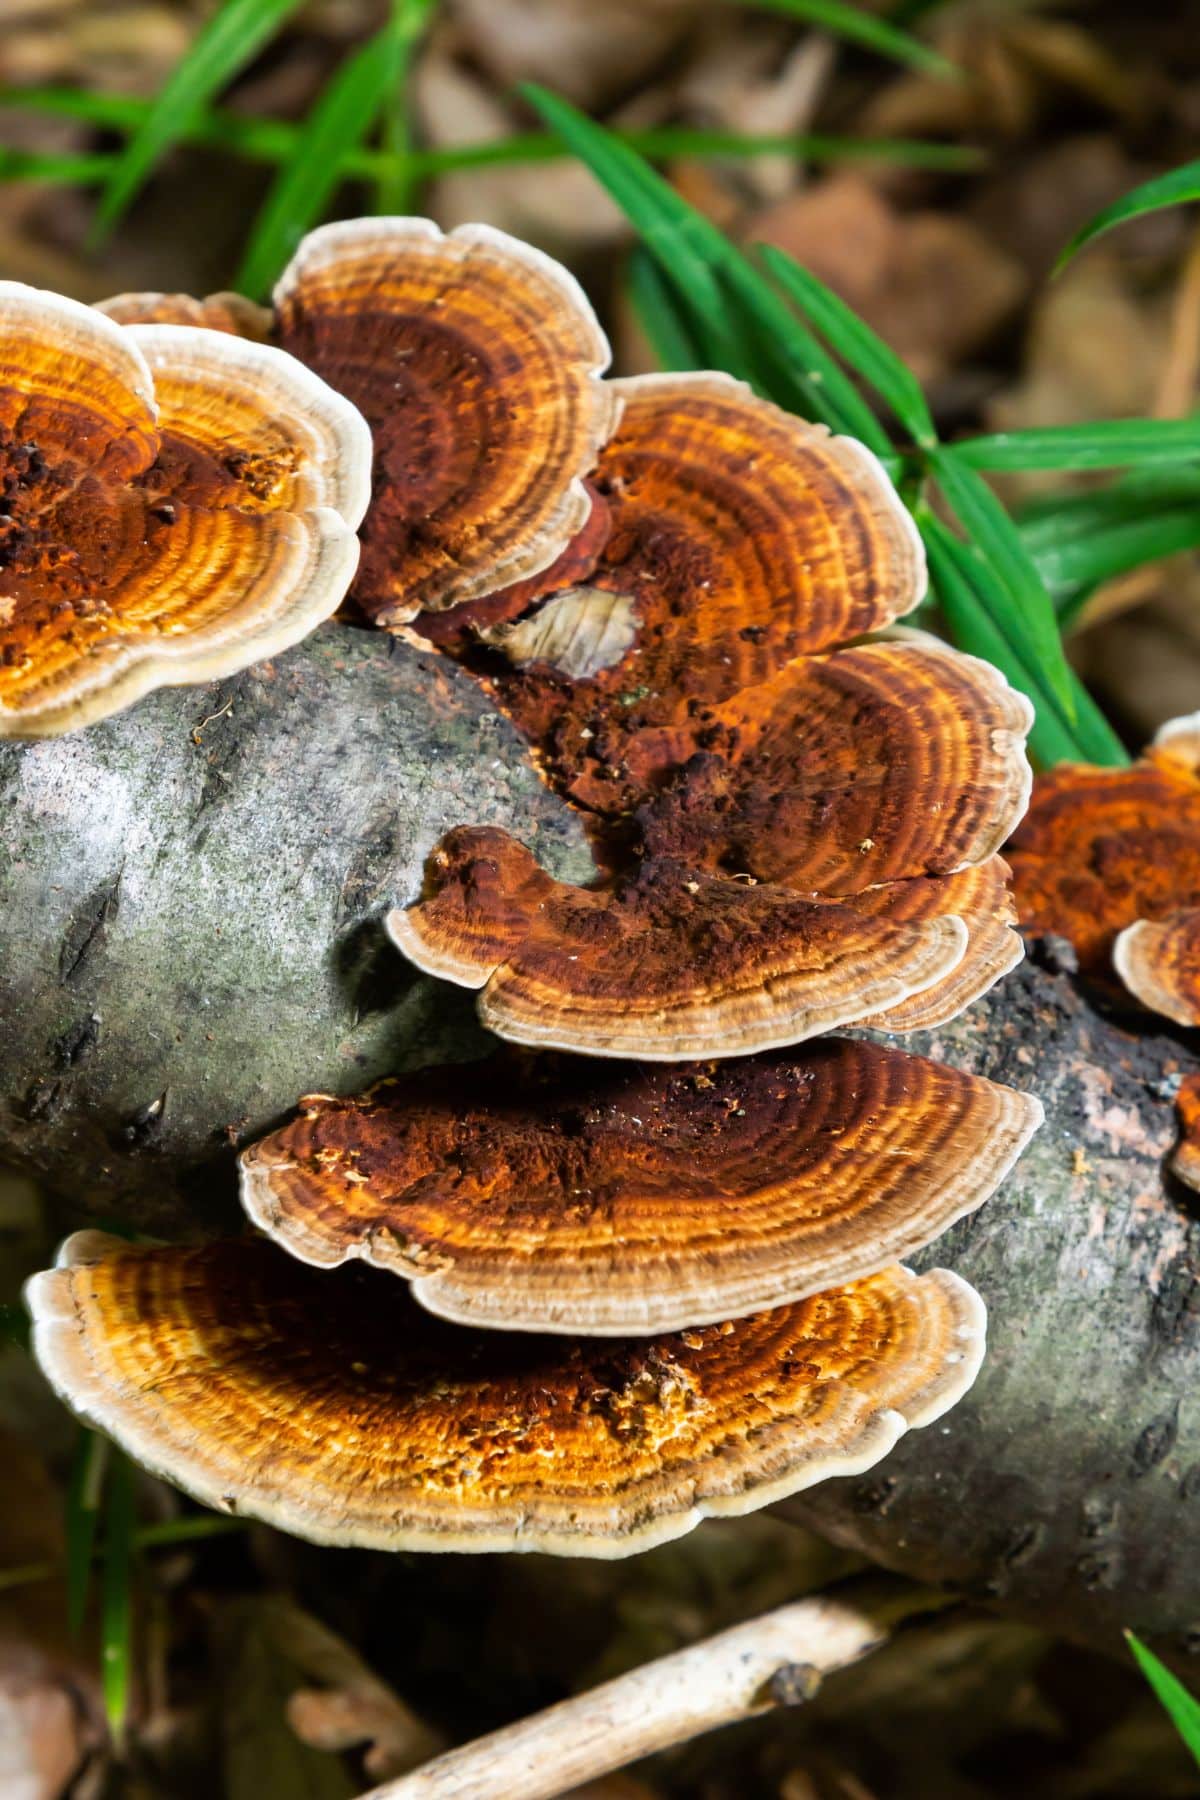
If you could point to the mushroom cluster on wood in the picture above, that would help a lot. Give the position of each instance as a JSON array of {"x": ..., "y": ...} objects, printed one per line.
[
  {"x": 1110, "y": 859},
  {"x": 664, "y": 1292},
  {"x": 175, "y": 503}
]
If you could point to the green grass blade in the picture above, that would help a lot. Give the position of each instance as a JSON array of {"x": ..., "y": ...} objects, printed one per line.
[
  {"x": 1172, "y": 189},
  {"x": 344, "y": 113},
  {"x": 1101, "y": 555},
  {"x": 660, "y": 314},
  {"x": 85, "y": 1494},
  {"x": 854, "y": 340},
  {"x": 1113, "y": 443},
  {"x": 1182, "y": 1708},
  {"x": 77, "y": 171},
  {"x": 862, "y": 28},
  {"x": 689, "y": 249},
  {"x": 116, "y": 1633},
  {"x": 275, "y": 141},
  {"x": 760, "y": 334},
  {"x": 1142, "y": 494},
  {"x": 1020, "y": 593},
  {"x": 660, "y": 142},
  {"x": 970, "y": 614},
  {"x": 396, "y": 184},
  {"x": 231, "y": 39}
]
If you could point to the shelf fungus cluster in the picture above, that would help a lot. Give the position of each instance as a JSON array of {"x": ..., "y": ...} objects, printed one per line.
[
  {"x": 1110, "y": 859},
  {"x": 175, "y": 503},
  {"x": 644, "y": 1263}
]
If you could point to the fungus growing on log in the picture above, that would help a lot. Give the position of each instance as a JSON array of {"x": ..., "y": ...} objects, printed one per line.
[
  {"x": 739, "y": 538},
  {"x": 662, "y": 583},
  {"x": 476, "y": 361},
  {"x": 812, "y": 870},
  {"x": 1185, "y": 1159},
  {"x": 329, "y": 1404},
  {"x": 232, "y": 313},
  {"x": 667, "y": 963},
  {"x": 1110, "y": 859},
  {"x": 551, "y": 1195},
  {"x": 176, "y": 503}
]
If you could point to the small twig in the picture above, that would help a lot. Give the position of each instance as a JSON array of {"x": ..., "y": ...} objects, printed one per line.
[
  {"x": 219, "y": 714},
  {"x": 771, "y": 1661}
]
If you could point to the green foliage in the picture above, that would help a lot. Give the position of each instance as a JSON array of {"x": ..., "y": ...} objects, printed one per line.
[
  {"x": 346, "y": 111},
  {"x": 862, "y": 348},
  {"x": 231, "y": 39},
  {"x": 972, "y": 601},
  {"x": 1172, "y": 189},
  {"x": 1110, "y": 444},
  {"x": 394, "y": 188},
  {"x": 274, "y": 141},
  {"x": 1020, "y": 604},
  {"x": 116, "y": 1597},
  {"x": 863, "y": 28},
  {"x": 710, "y": 298},
  {"x": 1181, "y": 1707}
]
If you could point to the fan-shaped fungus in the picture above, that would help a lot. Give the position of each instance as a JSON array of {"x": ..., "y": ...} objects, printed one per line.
[
  {"x": 329, "y": 1404},
  {"x": 174, "y": 504},
  {"x": 1110, "y": 859},
  {"x": 552, "y": 1195}
]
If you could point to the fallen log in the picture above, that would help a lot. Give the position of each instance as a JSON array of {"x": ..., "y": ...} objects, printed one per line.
[{"x": 190, "y": 898}]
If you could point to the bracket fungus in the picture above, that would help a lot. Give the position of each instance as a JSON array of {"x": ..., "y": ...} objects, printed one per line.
[
  {"x": 744, "y": 767},
  {"x": 311, "y": 1400},
  {"x": 829, "y": 864},
  {"x": 175, "y": 503},
  {"x": 551, "y": 1195},
  {"x": 664, "y": 583},
  {"x": 1110, "y": 859},
  {"x": 476, "y": 361}
]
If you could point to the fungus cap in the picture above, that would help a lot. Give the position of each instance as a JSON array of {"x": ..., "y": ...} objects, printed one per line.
[
  {"x": 177, "y": 503},
  {"x": 328, "y": 1404},
  {"x": 476, "y": 361},
  {"x": 1185, "y": 1159},
  {"x": 231, "y": 313},
  {"x": 565, "y": 1197},
  {"x": 666, "y": 964},
  {"x": 739, "y": 538},
  {"x": 1110, "y": 859},
  {"x": 1159, "y": 962}
]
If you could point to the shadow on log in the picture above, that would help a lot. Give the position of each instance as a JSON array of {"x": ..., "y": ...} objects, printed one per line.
[{"x": 189, "y": 939}]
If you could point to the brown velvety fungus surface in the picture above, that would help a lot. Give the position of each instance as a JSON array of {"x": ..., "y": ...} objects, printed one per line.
[
  {"x": 1102, "y": 851},
  {"x": 740, "y": 537},
  {"x": 554, "y": 1195},
  {"x": 847, "y": 771},
  {"x": 688, "y": 692},
  {"x": 231, "y": 313},
  {"x": 174, "y": 504},
  {"x": 666, "y": 963},
  {"x": 1159, "y": 962},
  {"x": 978, "y": 895},
  {"x": 476, "y": 361},
  {"x": 328, "y": 1403},
  {"x": 1185, "y": 1159}
]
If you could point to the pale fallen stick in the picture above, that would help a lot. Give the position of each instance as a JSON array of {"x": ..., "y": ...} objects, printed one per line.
[{"x": 771, "y": 1661}]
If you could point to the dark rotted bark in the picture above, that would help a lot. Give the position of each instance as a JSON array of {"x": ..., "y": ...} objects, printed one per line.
[{"x": 189, "y": 939}]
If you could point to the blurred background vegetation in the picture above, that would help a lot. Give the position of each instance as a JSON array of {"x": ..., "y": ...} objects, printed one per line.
[{"x": 924, "y": 164}]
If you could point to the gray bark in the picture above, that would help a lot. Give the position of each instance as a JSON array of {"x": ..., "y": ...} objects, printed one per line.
[
  {"x": 189, "y": 933},
  {"x": 189, "y": 916}
]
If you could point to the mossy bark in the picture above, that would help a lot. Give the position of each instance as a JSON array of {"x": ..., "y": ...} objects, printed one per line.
[{"x": 190, "y": 939}]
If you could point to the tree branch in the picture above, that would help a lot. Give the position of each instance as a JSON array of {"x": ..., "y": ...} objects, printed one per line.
[{"x": 775, "y": 1660}]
